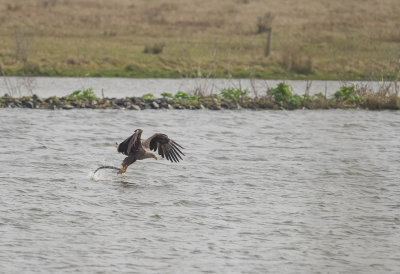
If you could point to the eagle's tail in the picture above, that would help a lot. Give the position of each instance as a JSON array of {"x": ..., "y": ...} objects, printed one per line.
[{"x": 106, "y": 167}]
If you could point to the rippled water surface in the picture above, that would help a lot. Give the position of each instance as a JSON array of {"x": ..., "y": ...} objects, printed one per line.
[{"x": 258, "y": 192}]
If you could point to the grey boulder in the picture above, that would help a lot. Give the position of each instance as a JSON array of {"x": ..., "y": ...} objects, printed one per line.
[
  {"x": 28, "y": 104},
  {"x": 134, "y": 107},
  {"x": 68, "y": 107}
]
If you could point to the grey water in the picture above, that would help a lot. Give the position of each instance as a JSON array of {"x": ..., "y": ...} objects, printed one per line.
[
  {"x": 128, "y": 87},
  {"x": 257, "y": 192}
]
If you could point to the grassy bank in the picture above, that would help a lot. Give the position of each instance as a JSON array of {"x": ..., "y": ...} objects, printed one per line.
[
  {"x": 311, "y": 39},
  {"x": 165, "y": 73}
]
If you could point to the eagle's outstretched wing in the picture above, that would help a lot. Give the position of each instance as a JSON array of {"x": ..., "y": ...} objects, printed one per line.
[
  {"x": 166, "y": 147},
  {"x": 132, "y": 144}
]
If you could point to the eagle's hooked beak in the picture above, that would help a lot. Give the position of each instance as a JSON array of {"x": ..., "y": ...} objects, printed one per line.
[{"x": 155, "y": 157}]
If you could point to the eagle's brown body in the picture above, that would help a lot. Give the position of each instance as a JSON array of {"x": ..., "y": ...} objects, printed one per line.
[{"x": 136, "y": 150}]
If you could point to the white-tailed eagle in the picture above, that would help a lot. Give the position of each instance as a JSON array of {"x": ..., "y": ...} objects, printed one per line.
[{"x": 135, "y": 149}]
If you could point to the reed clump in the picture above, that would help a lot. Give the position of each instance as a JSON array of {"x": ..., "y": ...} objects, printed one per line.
[{"x": 387, "y": 97}]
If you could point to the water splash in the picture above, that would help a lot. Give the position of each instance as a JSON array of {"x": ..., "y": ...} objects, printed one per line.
[{"x": 94, "y": 176}]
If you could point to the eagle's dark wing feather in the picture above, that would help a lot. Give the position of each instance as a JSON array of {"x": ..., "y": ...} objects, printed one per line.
[
  {"x": 131, "y": 144},
  {"x": 166, "y": 147}
]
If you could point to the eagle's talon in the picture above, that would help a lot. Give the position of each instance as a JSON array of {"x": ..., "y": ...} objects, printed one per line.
[{"x": 122, "y": 170}]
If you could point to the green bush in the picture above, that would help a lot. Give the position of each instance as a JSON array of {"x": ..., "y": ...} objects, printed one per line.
[
  {"x": 167, "y": 95},
  {"x": 295, "y": 101},
  {"x": 319, "y": 96},
  {"x": 233, "y": 94},
  {"x": 53, "y": 98},
  {"x": 148, "y": 96},
  {"x": 182, "y": 95},
  {"x": 283, "y": 95},
  {"x": 193, "y": 101},
  {"x": 86, "y": 94},
  {"x": 347, "y": 93}
]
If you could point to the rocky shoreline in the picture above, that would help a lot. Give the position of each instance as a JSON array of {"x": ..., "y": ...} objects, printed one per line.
[
  {"x": 130, "y": 103},
  {"x": 370, "y": 101}
]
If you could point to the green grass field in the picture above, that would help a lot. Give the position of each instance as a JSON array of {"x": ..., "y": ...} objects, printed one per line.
[{"x": 311, "y": 39}]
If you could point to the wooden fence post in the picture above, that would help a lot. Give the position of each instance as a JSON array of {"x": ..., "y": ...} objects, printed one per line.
[{"x": 267, "y": 49}]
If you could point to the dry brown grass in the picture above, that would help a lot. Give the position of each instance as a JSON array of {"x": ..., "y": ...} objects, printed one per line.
[{"x": 327, "y": 39}]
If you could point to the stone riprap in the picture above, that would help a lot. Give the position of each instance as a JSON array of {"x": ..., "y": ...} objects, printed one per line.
[
  {"x": 130, "y": 103},
  {"x": 373, "y": 102}
]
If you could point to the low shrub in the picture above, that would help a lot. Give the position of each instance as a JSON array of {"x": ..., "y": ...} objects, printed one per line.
[
  {"x": 53, "y": 98},
  {"x": 216, "y": 96},
  {"x": 182, "y": 95},
  {"x": 194, "y": 101},
  {"x": 347, "y": 94},
  {"x": 148, "y": 96},
  {"x": 234, "y": 94},
  {"x": 167, "y": 95},
  {"x": 319, "y": 96},
  {"x": 283, "y": 95},
  {"x": 85, "y": 94}
]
